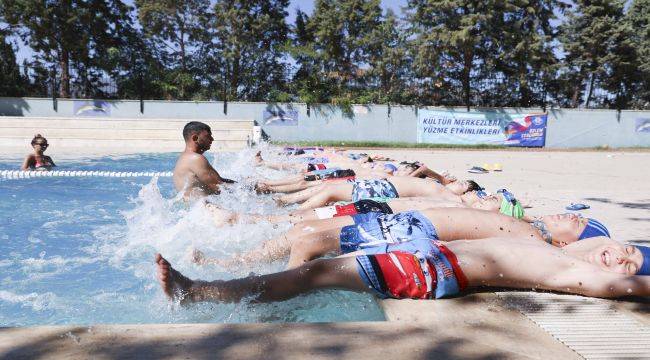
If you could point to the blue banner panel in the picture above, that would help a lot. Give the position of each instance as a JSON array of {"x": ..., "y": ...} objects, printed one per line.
[
  {"x": 92, "y": 108},
  {"x": 450, "y": 127},
  {"x": 280, "y": 117},
  {"x": 642, "y": 125}
]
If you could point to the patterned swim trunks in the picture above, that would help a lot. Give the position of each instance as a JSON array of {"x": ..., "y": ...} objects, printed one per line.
[{"x": 368, "y": 189}]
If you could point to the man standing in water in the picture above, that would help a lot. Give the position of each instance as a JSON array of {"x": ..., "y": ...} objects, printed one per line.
[{"x": 193, "y": 174}]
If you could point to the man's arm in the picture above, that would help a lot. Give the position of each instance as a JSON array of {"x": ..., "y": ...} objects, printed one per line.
[{"x": 206, "y": 174}]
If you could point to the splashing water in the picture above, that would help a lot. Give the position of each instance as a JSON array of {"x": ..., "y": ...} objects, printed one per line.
[{"x": 80, "y": 250}]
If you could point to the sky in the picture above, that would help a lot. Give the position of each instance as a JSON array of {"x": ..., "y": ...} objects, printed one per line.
[{"x": 306, "y": 6}]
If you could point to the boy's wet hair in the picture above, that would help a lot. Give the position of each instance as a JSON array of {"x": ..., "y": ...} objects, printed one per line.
[
  {"x": 194, "y": 127},
  {"x": 473, "y": 186}
]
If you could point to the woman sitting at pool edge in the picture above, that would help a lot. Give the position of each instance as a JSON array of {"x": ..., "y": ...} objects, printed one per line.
[{"x": 36, "y": 160}]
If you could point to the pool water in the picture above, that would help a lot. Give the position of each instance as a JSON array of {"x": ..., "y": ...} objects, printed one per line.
[{"x": 79, "y": 250}]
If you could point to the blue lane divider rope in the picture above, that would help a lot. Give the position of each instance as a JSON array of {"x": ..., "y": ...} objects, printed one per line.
[{"x": 17, "y": 174}]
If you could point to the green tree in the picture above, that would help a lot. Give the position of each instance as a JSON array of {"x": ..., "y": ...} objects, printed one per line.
[
  {"x": 449, "y": 43},
  {"x": 522, "y": 52},
  {"x": 589, "y": 37},
  {"x": 389, "y": 62},
  {"x": 307, "y": 84},
  {"x": 177, "y": 30},
  {"x": 12, "y": 83},
  {"x": 176, "y": 25},
  {"x": 638, "y": 20},
  {"x": 344, "y": 43},
  {"x": 249, "y": 43},
  {"x": 70, "y": 34}
]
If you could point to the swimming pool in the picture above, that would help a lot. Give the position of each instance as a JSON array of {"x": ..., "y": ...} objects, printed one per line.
[{"x": 79, "y": 250}]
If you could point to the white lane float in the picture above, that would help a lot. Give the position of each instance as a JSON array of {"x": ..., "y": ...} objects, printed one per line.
[{"x": 16, "y": 174}]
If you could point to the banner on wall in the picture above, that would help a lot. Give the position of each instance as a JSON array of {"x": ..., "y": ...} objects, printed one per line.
[
  {"x": 280, "y": 117},
  {"x": 450, "y": 127},
  {"x": 642, "y": 125},
  {"x": 91, "y": 108}
]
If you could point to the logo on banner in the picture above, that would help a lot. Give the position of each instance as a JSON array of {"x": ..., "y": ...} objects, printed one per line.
[
  {"x": 92, "y": 108},
  {"x": 642, "y": 125},
  {"x": 280, "y": 117}
]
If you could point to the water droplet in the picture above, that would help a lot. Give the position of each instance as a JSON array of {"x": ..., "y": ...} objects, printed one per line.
[{"x": 500, "y": 275}]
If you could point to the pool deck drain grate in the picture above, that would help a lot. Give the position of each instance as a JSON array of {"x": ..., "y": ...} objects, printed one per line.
[{"x": 593, "y": 328}]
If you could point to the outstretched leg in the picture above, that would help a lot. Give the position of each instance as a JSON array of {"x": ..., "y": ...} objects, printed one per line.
[
  {"x": 302, "y": 195},
  {"x": 317, "y": 237},
  {"x": 338, "y": 273},
  {"x": 290, "y": 188},
  {"x": 331, "y": 193},
  {"x": 313, "y": 246},
  {"x": 284, "y": 181}
]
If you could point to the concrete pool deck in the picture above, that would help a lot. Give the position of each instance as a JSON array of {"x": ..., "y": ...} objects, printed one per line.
[{"x": 477, "y": 326}]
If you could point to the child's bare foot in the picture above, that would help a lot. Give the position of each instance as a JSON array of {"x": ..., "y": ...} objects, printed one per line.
[
  {"x": 198, "y": 257},
  {"x": 280, "y": 201},
  {"x": 174, "y": 284},
  {"x": 262, "y": 188},
  {"x": 258, "y": 158},
  {"x": 221, "y": 217}
]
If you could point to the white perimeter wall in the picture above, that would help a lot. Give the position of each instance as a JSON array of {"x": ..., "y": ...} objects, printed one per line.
[{"x": 566, "y": 127}]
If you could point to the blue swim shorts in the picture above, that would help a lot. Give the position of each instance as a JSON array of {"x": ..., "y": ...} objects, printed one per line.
[
  {"x": 381, "y": 230},
  {"x": 368, "y": 189}
]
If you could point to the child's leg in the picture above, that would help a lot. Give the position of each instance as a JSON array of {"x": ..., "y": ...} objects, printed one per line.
[
  {"x": 332, "y": 193},
  {"x": 284, "y": 181},
  {"x": 315, "y": 245},
  {"x": 301, "y": 195},
  {"x": 338, "y": 273},
  {"x": 289, "y": 188}
]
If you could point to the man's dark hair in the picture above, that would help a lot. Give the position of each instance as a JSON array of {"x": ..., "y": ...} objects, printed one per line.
[
  {"x": 473, "y": 186},
  {"x": 194, "y": 127}
]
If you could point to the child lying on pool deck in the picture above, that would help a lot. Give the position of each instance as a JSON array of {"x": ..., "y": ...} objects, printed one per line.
[
  {"x": 398, "y": 186},
  {"x": 597, "y": 267},
  {"x": 344, "y": 235},
  {"x": 333, "y": 174},
  {"x": 474, "y": 199}
]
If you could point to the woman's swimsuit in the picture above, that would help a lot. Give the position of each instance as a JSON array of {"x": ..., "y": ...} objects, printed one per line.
[
  {"x": 424, "y": 270},
  {"x": 381, "y": 230},
  {"x": 368, "y": 189},
  {"x": 38, "y": 165}
]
